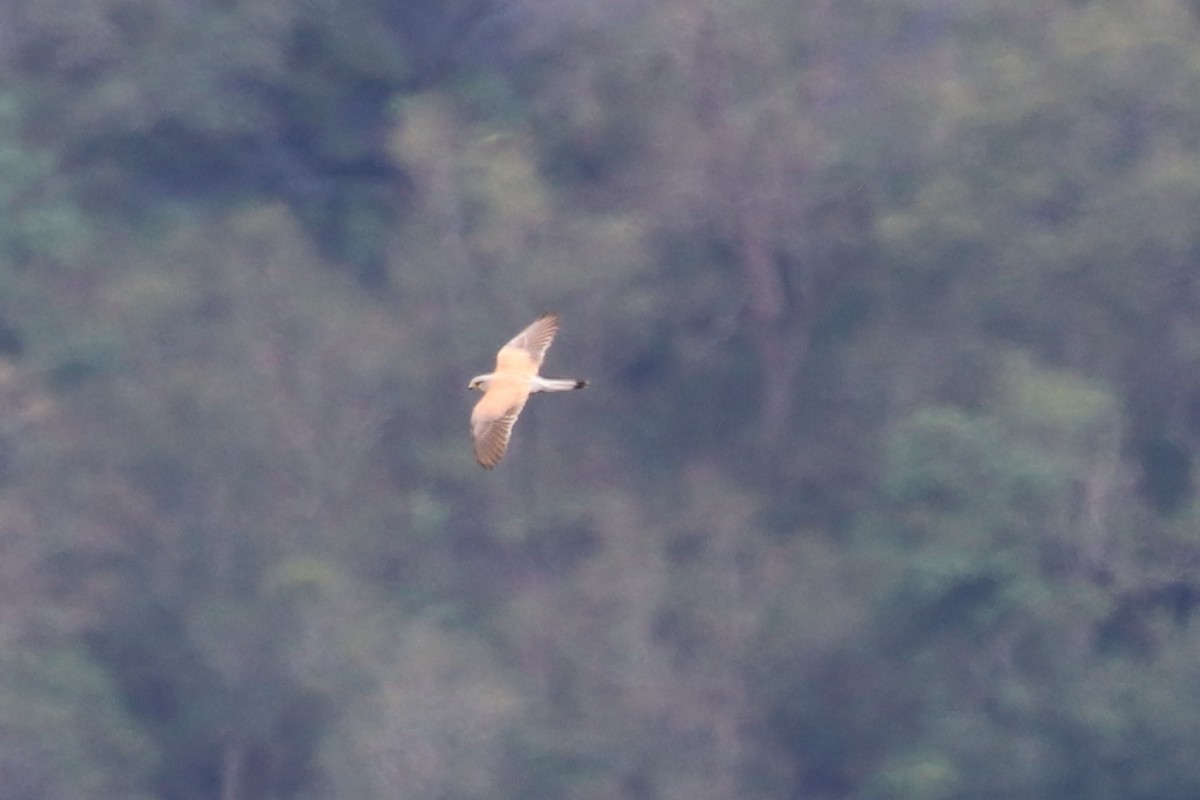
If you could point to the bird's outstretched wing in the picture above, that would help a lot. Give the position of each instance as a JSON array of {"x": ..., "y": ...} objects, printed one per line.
[
  {"x": 530, "y": 344},
  {"x": 491, "y": 437}
]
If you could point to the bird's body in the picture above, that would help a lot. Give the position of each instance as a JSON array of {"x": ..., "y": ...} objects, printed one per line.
[{"x": 506, "y": 390}]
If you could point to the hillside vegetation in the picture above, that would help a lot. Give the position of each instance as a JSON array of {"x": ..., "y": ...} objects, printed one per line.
[{"x": 882, "y": 488}]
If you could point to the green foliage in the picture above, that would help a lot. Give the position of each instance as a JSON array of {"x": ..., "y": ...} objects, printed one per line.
[
  {"x": 971, "y": 564},
  {"x": 65, "y": 731},
  {"x": 433, "y": 720},
  {"x": 42, "y": 226},
  {"x": 883, "y": 487},
  {"x": 980, "y": 501}
]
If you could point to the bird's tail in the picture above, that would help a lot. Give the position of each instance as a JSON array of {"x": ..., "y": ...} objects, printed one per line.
[{"x": 541, "y": 384}]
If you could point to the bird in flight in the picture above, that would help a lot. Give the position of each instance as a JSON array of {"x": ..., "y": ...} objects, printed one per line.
[{"x": 507, "y": 388}]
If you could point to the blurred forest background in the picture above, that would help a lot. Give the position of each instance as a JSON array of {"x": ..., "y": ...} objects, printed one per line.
[{"x": 883, "y": 487}]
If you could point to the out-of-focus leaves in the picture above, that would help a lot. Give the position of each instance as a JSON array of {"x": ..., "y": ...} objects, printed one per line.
[
  {"x": 883, "y": 486},
  {"x": 65, "y": 733}
]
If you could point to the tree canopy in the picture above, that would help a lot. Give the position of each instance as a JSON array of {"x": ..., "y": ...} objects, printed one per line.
[{"x": 882, "y": 488}]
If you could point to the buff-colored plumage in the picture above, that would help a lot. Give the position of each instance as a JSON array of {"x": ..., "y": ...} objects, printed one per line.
[{"x": 506, "y": 390}]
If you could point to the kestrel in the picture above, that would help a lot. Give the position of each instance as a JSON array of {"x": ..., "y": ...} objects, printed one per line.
[{"x": 507, "y": 388}]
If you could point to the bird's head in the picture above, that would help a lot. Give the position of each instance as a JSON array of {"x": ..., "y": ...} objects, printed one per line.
[{"x": 479, "y": 382}]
